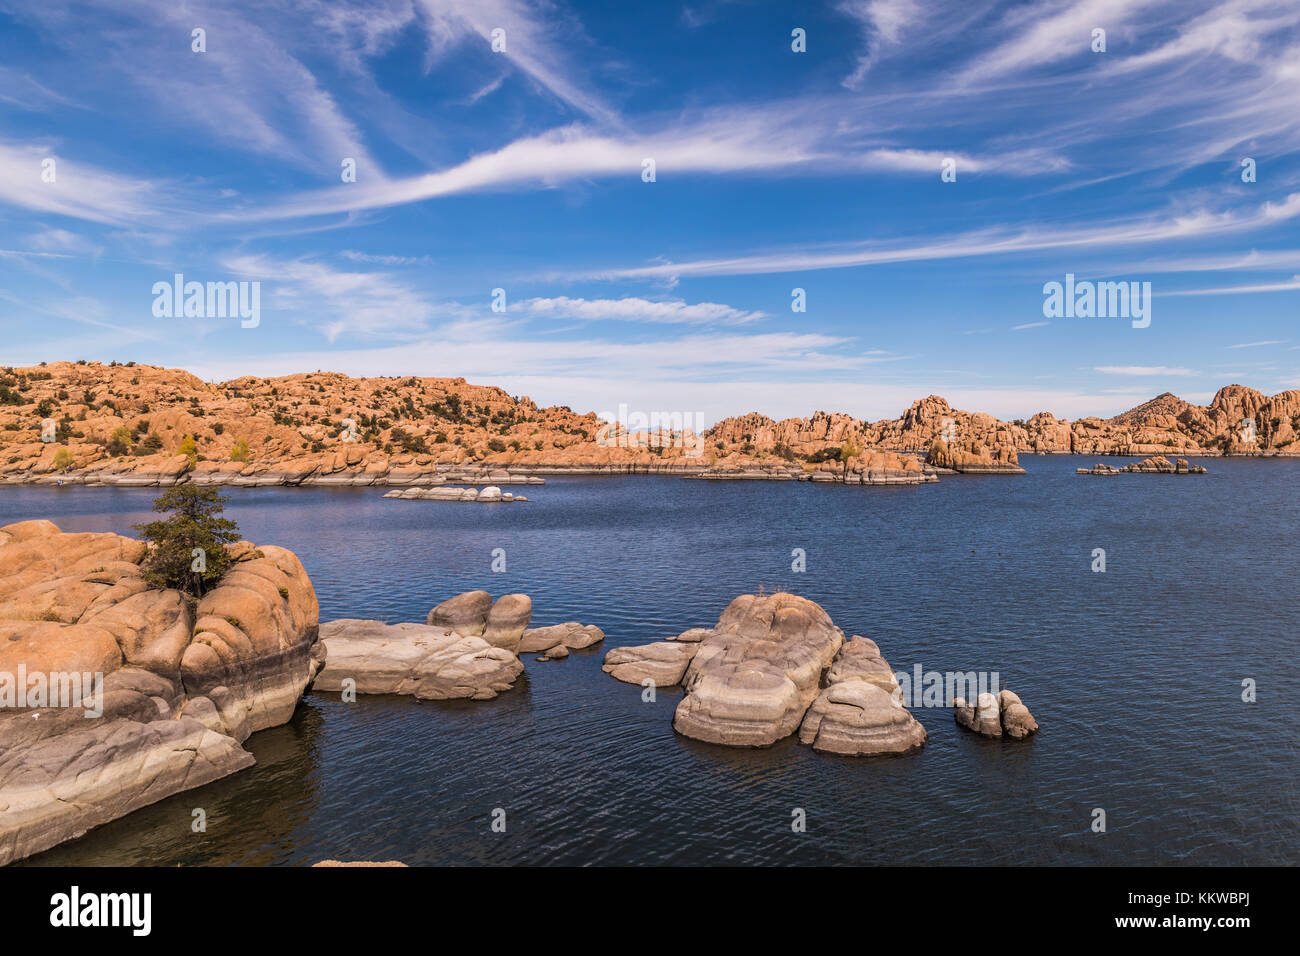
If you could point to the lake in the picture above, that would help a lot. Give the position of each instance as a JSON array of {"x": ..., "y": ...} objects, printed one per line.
[{"x": 1134, "y": 675}]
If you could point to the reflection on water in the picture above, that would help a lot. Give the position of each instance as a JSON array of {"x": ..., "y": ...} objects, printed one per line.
[{"x": 1135, "y": 675}]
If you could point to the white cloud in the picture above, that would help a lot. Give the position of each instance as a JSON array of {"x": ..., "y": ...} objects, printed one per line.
[
  {"x": 632, "y": 309},
  {"x": 1143, "y": 370},
  {"x": 1150, "y": 229},
  {"x": 337, "y": 302},
  {"x": 882, "y": 23},
  {"x": 79, "y": 190}
]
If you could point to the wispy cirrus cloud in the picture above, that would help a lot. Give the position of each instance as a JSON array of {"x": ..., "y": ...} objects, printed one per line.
[
  {"x": 1137, "y": 231},
  {"x": 76, "y": 189},
  {"x": 633, "y": 309},
  {"x": 1143, "y": 370},
  {"x": 882, "y": 23}
]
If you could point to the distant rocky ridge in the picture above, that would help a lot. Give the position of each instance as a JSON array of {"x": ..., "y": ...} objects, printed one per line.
[
  {"x": 145, "y": 425},
  {"x": 1166, "y": 424}
]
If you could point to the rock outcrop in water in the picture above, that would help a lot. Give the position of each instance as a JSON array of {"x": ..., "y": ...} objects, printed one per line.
[
  {"x": 858, "y": 713},
  {"x": 489, "y": 495},
  {"x": 774, "y": 665},
  {"x": 570, "y": 635},
  {"x": 183, "y": 684},
  {"x": 428, "y": 662},
  {"x": 468, "y": 647},
  {"x": 1159, "y": 465},
  {"x": 992, "y": 716}
]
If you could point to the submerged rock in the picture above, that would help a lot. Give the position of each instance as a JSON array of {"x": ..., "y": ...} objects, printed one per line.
[
  {"x": 428, "y": 662},
  {"x": 181, "y": 688}
]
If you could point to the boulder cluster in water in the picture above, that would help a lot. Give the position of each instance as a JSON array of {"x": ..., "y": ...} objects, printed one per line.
[
  {"x": 468, "y": 647},
  {"x": 487, "y": 495},
  {"x": 184, "y": 683},
  {"x": 995, "y": 716},
  {"x": 1156, "y": 465},
  {"x": 771, "y": 666}
]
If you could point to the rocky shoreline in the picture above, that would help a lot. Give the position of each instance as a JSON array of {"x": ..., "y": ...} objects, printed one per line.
[
  {"x": 176, "y": 686},
  {"x": 185, "y": 682},
  {"x": 129, "y": 425}
]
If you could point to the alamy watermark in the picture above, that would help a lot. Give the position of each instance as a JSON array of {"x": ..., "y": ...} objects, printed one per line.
[
  {"x": 41, "y": 689},
  {"x": 922, "y": 688},
  {"x": 208, "y": 300},
  {"x": 629, "y": 430},
  {"x": 1086, "y": 299}
]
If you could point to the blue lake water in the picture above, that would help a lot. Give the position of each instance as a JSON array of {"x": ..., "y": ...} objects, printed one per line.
[{"x": 1135, "y": 675}]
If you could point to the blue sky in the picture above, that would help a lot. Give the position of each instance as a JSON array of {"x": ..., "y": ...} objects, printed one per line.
[{"x": 774, "y": 170}]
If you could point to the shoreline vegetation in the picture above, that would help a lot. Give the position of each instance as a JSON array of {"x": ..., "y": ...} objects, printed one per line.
[{"x": 91, "y": 423}]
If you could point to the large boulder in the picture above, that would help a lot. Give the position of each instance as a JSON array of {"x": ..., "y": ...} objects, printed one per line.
[
  {"x": 860, "y": 712},
  {"x": 152, "y": 697},
  {"x": 427, "y": 662},
  {"x": 754, "y": 677},
  {"x": 465, "y": 613},
  {"x": 570, "y": 634},
  {"x": 508, "y": 620}
]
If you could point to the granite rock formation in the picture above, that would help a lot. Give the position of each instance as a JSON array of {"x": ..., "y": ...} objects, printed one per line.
[
  {"x": 774, "y": 665},
  {"x": 570, "y": 634},
  {"x": 183, "y": 683},
  {"x": 91, "y": 423},
  {"x": 428, "y": 662},
  {"x": 996, "y": 716}
]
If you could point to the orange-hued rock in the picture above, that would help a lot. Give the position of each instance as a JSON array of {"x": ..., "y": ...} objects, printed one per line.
[
  {"x": 358, "y": 863},
  {"x": 166, "y": 689},
  {"x": 125, "y": 425}
]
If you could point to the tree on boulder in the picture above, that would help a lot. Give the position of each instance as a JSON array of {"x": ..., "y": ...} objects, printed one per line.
[{"x": 188, "y": 547}]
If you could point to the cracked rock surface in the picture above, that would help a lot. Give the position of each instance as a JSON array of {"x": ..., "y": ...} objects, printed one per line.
[{"x": 156, "y": 693}]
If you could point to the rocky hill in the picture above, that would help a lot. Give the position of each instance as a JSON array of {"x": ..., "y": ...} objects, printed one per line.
[
  {"x": 140, "y": 424},
  {"x": 1164, "y": 424}
]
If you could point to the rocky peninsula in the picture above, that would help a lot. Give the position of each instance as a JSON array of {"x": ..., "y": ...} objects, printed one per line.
[{"x": 130, "y": 693}]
